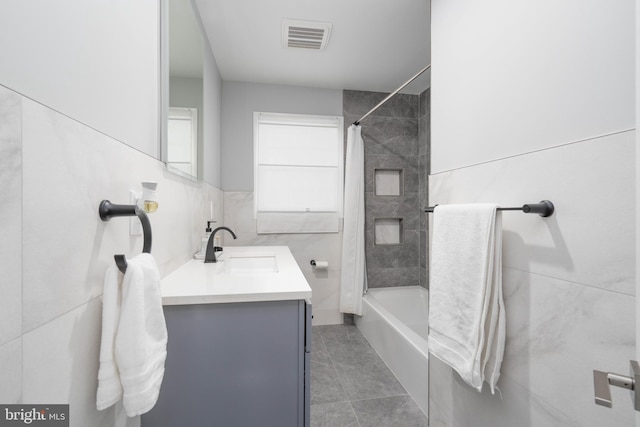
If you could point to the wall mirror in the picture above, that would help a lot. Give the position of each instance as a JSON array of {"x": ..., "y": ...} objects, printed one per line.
[{"x": 182, "y": 105}]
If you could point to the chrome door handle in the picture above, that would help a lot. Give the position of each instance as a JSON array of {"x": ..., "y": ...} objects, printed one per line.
[{"x": 602, "y": 381}]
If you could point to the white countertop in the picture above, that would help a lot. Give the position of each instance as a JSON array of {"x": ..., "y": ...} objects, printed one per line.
[{"x": 199, "y": 283}]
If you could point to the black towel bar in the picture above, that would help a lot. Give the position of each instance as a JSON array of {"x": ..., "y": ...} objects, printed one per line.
[
  {"x": 108, "y": 210},
  {"x": 544, "y": 208}
]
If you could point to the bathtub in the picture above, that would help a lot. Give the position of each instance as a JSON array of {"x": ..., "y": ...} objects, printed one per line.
[{"x": 395, "y": 322}]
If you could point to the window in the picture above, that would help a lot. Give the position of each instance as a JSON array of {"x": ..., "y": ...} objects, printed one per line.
[
  {"x": 182, "y": 134},
  {"x": 298, "y": 173}
]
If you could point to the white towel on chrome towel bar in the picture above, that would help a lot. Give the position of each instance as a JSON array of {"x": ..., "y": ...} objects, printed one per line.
[{"x": 466, "y": 307}]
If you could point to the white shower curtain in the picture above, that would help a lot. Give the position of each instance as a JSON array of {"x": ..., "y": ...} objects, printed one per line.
[{"x": 353, "y": 280}]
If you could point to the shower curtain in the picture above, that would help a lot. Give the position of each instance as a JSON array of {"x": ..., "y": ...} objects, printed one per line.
[{"x": 353, "y": 280}]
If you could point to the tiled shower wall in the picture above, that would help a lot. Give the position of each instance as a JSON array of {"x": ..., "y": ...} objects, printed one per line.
[
  {"x": 396, "y": 138},
  {"x": 424, "y": 169}
]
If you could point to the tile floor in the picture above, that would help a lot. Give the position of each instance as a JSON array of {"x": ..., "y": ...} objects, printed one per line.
[{"x": 351, "y": 386}]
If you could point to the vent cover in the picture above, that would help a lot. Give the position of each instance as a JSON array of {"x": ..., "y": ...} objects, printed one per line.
[{"x": 305, "y": 34}]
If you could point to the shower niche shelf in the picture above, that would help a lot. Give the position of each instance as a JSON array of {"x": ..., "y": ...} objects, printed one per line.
[
  {"x": 388, "y": 182},
  {"x": 388, "y": 231}
]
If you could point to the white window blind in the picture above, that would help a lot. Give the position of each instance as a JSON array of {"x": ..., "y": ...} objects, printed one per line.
[{"x": 298, "y": 173}]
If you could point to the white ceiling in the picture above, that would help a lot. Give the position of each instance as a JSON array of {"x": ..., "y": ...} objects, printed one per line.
[{"x": 375, "y": 45}]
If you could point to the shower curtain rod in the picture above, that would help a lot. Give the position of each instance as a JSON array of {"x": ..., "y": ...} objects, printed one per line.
[{"x": 357, "y": 122}]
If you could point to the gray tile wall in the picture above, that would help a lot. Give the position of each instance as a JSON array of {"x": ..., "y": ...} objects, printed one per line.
[
  {"x": 396, "y": 136},
  {"x": 424, "y": 168}
]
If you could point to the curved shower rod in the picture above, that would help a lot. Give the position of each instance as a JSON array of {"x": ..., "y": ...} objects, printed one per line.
[{"x": 391, "y": 95}]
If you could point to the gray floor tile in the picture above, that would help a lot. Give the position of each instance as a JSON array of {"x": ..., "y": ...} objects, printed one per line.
[
  {"x": 319, "y": 352},
  {"x": 361, "y": 371},
  {"x": 333, "y": 415},
  {"x": 398, "y": 411},
  {"x": 368, "y": 380},
  {"x": 346, "y": 344},
  {"x": 348, "y": 377},
  {"x": 332, "y": 334},
  {"x": 326, "y": 386}
]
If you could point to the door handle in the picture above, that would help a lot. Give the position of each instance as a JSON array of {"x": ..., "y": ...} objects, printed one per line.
[{"x": 603, "y": 380}]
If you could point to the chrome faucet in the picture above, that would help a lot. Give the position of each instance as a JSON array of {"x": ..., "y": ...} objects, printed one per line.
[{"x": 210, "y": 255}]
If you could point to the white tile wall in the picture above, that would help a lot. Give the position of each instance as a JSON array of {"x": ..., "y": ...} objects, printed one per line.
[
  {"x": 495, "y": 96},
  {"x": 61, "y": 361},
  {"x": 68, "y": 169},
  {"x": 53, "y": 301},
  {"x": 528, "y": 117},
  {"x": 11, "y": 371},
  {"x": 62, "y": 187},
  {"x": 591, "y": 183},
  {"x": 558, "y": 332},
  {"x": 10, "y": 216},
  {"x": 107, "y": 79},
  {"x": 238, "y": 215},
  {"x": 569, "y": 285},
  {"x": 461, "y": 406}
]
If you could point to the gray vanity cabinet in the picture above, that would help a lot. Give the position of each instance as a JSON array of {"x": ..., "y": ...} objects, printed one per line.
[{"x": 236, "y": 364}]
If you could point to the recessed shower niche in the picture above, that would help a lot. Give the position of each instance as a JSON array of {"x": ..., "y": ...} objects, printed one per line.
[
  {"x": 389, "y": 182},
  {"x": 388, "y": 231}
]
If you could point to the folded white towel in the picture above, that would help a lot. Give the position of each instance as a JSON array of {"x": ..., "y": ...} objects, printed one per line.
[
  {"x": 109, "y": 388},
  {"x": 141, "y": 341},
  {"x": 466, "y": 307},
  {"x": 134, "y": 338}
]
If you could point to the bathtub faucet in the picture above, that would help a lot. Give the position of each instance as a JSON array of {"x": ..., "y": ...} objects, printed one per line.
[{"x": 210, "y": 255}]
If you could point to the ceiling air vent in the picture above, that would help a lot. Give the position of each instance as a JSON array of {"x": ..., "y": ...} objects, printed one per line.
[{"x": 305, "y": 34}]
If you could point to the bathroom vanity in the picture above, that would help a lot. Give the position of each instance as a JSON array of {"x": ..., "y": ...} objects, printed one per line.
[{"x": 239, "y": 344}]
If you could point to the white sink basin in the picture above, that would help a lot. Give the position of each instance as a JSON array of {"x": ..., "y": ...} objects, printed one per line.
[
  {"x": 250, "y": 263},
  {"x": 242, "y": 274}
]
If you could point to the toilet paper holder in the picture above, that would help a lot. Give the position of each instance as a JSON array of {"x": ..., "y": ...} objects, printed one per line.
[{"x": 319, "y": 264}]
